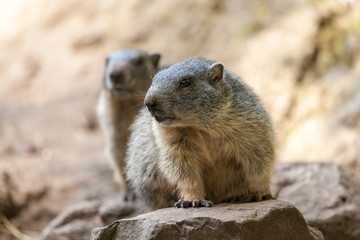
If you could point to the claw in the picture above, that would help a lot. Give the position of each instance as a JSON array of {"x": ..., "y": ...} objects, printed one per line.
[
  {"x": 178, "y": 204},
  {"x": 206, "y": 203},
  {"x": 186, "y": 204},
  {"x": 182, "y": 204},
  {"x": 195, "y": 203}
]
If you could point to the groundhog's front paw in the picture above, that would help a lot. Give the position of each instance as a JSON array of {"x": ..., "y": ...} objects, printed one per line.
[
  {"x": 260, "y": 197},
  {"x": 194, "y": 203},
  {"x": 268, "y": 197}
]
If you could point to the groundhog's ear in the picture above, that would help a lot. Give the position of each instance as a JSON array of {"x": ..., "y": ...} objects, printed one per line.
[
  {"x": 107, "y": 59},
  {"x": 216, "y": 72},
  {"x": 155, "y": 58}
]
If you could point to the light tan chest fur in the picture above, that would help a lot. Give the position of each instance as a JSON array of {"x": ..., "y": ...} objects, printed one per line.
[{"x": 219, "y": 162}]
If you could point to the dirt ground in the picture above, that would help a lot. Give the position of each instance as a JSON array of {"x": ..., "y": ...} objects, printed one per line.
[{"x": 52, "y": 58}]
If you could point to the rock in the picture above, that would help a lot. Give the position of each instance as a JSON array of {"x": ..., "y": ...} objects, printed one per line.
[
  {"x": 271, "y": 219},
  {"x": 73, "y": 223},
  {"x": 77, "y": 221},
  {"x": 115, "y": 209},
  {"x": 326, "y": 194},
  {"x": 14, "y": 198}
]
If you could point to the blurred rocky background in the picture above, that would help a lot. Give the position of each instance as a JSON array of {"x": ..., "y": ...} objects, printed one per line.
[{"x": 300, "y": 56}]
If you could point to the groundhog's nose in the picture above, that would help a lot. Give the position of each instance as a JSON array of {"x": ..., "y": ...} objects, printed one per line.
[
  {"x": 150, "y": 103},
  {"x": 118, "y": 77}
]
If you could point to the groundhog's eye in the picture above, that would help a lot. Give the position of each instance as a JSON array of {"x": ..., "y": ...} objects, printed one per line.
[
  {"x": 139, "y": 61},
  {"x": 185, "y": 82}
]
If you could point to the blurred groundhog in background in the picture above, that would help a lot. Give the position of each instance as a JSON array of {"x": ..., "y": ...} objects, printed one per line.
[{"x": 127, "y": 77}]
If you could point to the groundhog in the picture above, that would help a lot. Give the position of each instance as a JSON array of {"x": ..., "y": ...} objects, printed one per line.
[
  {"x": 127, "y": 77},
  {"x": 205, "y": 138}
]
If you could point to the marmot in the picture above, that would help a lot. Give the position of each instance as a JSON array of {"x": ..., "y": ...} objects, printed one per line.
[
  {"x": 127, "y": 77},
  {"x": 205, "y": 138}
]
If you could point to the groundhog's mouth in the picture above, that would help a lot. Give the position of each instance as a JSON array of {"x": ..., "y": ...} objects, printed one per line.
[
  {"x": 163, "y": 118},
  {"x": 122, "y": 91}
]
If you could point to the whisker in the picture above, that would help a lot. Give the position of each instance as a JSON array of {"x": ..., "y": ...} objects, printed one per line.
[
  {"x": 140, "y": 94},
  {"x": 139, "y": 105}
]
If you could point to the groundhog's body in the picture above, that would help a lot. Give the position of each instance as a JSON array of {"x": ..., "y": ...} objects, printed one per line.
[
  {"x": 206, "y": 137},
  {"x": 127, "y": 77}
]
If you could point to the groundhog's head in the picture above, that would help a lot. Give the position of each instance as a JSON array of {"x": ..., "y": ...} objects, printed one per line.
[
  {"x": 189, "y": 93},
  {"x": 128, "y": 73}
]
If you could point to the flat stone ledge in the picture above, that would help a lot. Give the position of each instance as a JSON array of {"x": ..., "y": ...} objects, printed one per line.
[{"x": 271, "y": 220}]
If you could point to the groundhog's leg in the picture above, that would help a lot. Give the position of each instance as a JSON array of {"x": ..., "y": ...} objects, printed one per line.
[
  {"x": 259, "y": 187},
  {"x": 186, "y": 176},
  {"x": 191, "y": 195},
  {"x": 118, "y": 167}
]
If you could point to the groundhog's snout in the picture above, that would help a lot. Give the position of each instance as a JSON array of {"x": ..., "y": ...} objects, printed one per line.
[
  {"x": 151, "y": 104},
  {"x": 156, "y": 110}
]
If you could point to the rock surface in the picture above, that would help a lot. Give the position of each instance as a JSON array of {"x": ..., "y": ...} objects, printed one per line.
[
  {"x": 77, "y": 221},
  {"x": 301, "y": 57},
  {"x": 264, "y": 220},
  {"x": 327, "y": 195}
]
